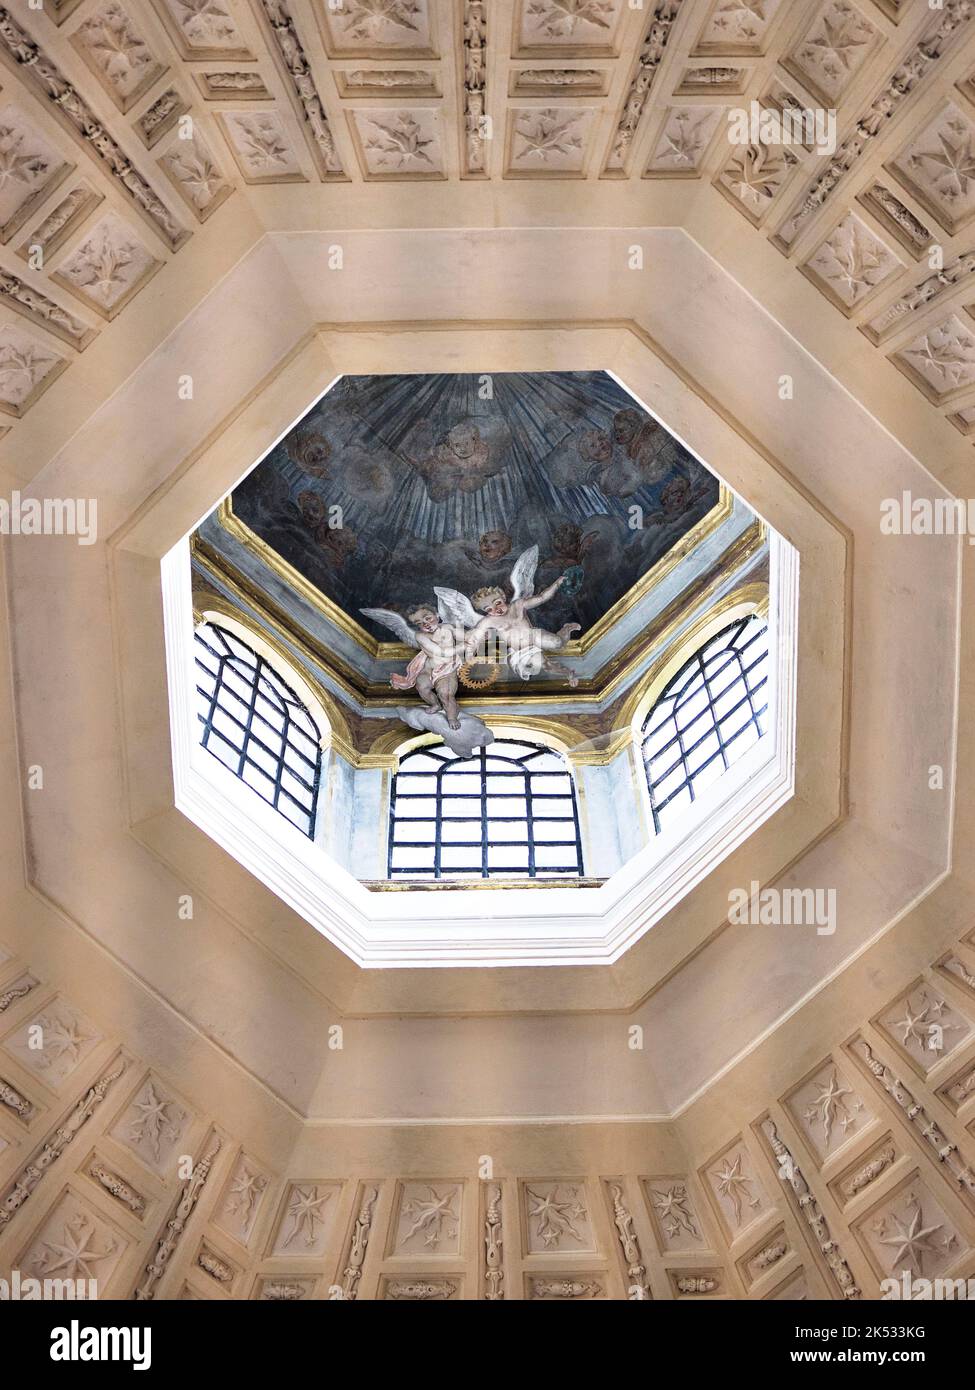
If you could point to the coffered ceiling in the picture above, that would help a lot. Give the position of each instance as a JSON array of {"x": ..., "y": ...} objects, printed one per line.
[
  {"x": 168, "y": 309},
  {"x": 128, "y": 133}
]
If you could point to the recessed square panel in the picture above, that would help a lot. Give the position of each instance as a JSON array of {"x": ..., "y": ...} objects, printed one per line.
[
  {"x": 548, "y": 141},
  {"x": 738, "y": 1196},
  {"x": 737, "y": 26},
  {"x": 828, "y": 1110},
  {"x": 262, "y": 146},
  {"x": 959, "y": 1091},
  {"x": 576, "y": 27},
  {"x": 556, "y": 1216},
  {"x": 203, "y": 28},
  {"x": 397, "y": 142},
  {"x": 851, "y": 264},
  {"x": 754, "y": 175},
  {"x": 428, "y": 1219},
  {"x": 242, "y": 1199},
  {"x": 676, "y": 1222},
  {"x": 112, "y": 43},
  {"x": 377, "y": 28},
  {"x": 154, "y": 1125},
  {"x": 307, "y": 1216},
  {"x": 53, "y": 1042},
  {"x": 832, "y": 49},
  {"x": 938, "y": 166},
  {"x": 683, "y": 141},
  {"x": 910, "y": 1234},
  {"x": 75, "y": 1242},
  {"x": 108, "y": 267},
  {"x": 194, "y": 172},
  {"x": 30, "y": 168},
  {"x": 925, "y": 1026},
  {"x": 941, "y": 359},
  {"x": 27, "y": 367}
]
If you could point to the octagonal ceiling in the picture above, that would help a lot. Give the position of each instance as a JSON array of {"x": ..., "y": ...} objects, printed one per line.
[
  {"x": 210, "y": 212},
  {"x": 391, "y": 483},
  {"x": 155, "y": 268}
]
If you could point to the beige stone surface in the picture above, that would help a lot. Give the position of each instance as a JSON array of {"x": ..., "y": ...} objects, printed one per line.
[{"x": 506, "y": 1111}]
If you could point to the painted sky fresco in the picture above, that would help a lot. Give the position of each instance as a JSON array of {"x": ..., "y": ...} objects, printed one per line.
[{"x": 438, "y": 485}]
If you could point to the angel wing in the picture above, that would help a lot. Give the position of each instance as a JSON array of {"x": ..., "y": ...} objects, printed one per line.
[
  {"x": 394, "y": 621},
  {"x": 456, "y": 608},
  {"x": 523, "y": 573}
]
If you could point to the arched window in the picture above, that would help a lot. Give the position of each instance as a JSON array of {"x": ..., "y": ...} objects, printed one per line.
[
  {"x": 257, "y": 726},
  {"x": 710, "y": 713},
  {"x": 507, "y": 812}
]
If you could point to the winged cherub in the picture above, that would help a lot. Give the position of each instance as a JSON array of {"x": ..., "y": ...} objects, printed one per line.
[
  {"x": 433, "y": 671},
  {"x": 526, "y": 646}
]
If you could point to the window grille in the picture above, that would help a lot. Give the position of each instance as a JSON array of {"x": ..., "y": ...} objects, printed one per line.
[
  {"x": 507, "y": 812},
  {"x": 711, "y": 712},
  {"x": 257, "y": 726}
]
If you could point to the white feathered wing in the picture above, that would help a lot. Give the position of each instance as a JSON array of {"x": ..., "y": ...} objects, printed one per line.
[{"x": 395, "y": 622}]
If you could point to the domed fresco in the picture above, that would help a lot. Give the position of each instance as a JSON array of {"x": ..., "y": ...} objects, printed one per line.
[{"x": 391, "y": 485}]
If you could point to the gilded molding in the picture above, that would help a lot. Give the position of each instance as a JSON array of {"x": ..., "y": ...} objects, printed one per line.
[
  {"x": 397, "y": 651},
  {"x": 373, "y": 696},
  {"x": 753, "y": 596}
]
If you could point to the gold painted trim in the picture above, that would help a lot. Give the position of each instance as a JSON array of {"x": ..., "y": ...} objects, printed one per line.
[
  {"x": 689, "y": 542},
  {"x": 751, "y": 598},
  {"x": 375, "y": 696},
  {"x": 533, "y": 885},
  {"x": 293, "y": 579},
  {"x": 337, "y": 734},
  {"x": 228, "y": 520}
]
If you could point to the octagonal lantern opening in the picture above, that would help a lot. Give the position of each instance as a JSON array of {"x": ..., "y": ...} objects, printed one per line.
[{"x": 454, "y": 633}]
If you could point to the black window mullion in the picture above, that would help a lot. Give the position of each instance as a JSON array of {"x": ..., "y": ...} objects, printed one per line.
[
  {"x": 261, "y": 681},
  {"x": 488, "y": 765},
  {"x": 682, "y": 688},
  {"x": 485, "y": 822}
]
